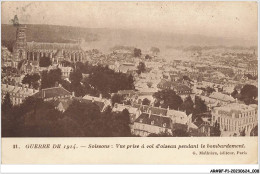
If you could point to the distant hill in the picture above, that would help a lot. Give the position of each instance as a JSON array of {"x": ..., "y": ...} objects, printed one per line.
[
  {"x": 50, "y": 33},
  {"x": 104, "y": 39}
]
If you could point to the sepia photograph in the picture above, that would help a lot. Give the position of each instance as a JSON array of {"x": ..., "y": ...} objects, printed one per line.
[
  {"x": 129, "y": 69},
  {"x": 113, "y": 76}
]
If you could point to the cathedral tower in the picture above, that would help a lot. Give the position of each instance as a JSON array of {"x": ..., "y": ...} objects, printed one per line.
[{"x": 19, "y": 49}]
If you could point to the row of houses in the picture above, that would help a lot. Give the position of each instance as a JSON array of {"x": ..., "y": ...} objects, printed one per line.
[
  {"x": 29, "y": 67},
  {"x": 17, "y": 93},
  {"x": 145, "y": 120}
]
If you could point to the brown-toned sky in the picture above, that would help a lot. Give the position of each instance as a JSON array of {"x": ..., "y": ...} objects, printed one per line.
[{"x": 224, "y": 19}]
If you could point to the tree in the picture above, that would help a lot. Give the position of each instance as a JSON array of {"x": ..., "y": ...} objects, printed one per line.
[
  {"x": 148, "y": 57},
  {"x": 248, "y": 93},
  {"x": 186, "y": 78},
  {"x": 200, "y": 106},
  {"x": 149, "y": 84},
  {"x": 155, "y": 50},
  {"x": 79, "y": 66},
  {"x": 7, "y": 104},
  {"x": 234, "y": 94},
  {"x": 76, "y": 78},
  {"x": 27, "y": 79},
  {"x": 67, "y": 127},
  {"x": 180, "y": 133},
  {"x": 34, "y": 114},
  {"x": 55, "y": 75},
  {"x": 82, "y": 112},
  {"x": 119, "y": 124},
  {"x": 146, "y": 101},
  {"x": 116, "y": 98},
  {"x": 215, "y": 131},
  {"x": 243, "y": 132},
  {"x": 137, "y": 52},
  {"x": 141, "y": 68},
  {"x": 44, "y": 79},
  {"x": 107, "y": 81},
  {"x": 15, "y": 21},
  {"x": 125, "y": 117},
  {"x": 210, "y": 90},
  {"x": 187, "y": 105},
  {"x": 254, "y": 131},
  {"x": 35, "y": 85},
  {"x": 31, "y": 80},
  {"x": 44, "y": 62},
  {"x": 51, "y": 78},
  {"x": 249, "y": 76},
  {"x": 161, "y": 134},
  {"x": 8, "y": 121},
  {"x": 168, "y": 98}
]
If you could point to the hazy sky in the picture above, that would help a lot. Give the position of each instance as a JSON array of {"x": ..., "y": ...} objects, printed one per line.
[{"x": 228, "y": 19}]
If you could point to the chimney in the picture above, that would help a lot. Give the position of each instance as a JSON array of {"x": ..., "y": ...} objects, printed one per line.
[
  {"x": 43, "y": 94},
  {"x": 93, "y": 100},
  {"x": 100, "y": 96},
  {"x": 168, "y": 108},
  {"x": 150, "y": 113}
]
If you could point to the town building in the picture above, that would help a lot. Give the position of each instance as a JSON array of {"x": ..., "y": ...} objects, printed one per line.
[
  {"x": 65, "y": 71},
  {"x": 217, "y": 99},
  {"x": 179, "y": 117},
  {"x": 101, "y": 102},
  {"x": 180, "y": 89},
  {"x": 19, "y": 49},
  {"x": 148, "y": 123},
  {"x": 63, "y": 105},
  {"x": 235, "y": 118},
  {"x": 54, "y": 93},
  {"x": 17, "y": 93},
  {"x": 6, "y": 57},
  {"x": 33, "y": 51},
  {"x": 133, "y": 111}
]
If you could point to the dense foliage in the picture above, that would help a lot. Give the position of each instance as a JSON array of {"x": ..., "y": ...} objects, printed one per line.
[
  {"x": 248, "y": 94},
  {"x": 95, "y": 80},
  {"x": 168, "y": 98},
  {"x": 79, "y": 120},
  {"x": 31, "y": 80},
  {"x": 141, "y": 68},
  {"x": 44, "y": 62},
  {"x": 50, "y": 78},
  {"x": 137, "y": 52}
]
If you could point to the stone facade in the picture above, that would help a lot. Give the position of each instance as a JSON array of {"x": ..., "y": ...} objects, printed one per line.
[{"x": 33, "y": 51}]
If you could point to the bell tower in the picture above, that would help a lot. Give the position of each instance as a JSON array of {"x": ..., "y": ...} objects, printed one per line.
[{"x": 19, "y": 49}]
